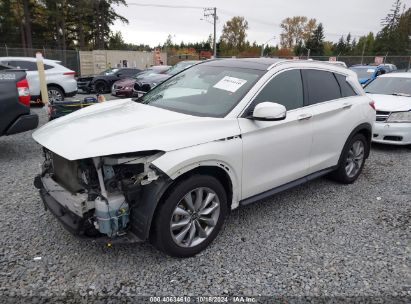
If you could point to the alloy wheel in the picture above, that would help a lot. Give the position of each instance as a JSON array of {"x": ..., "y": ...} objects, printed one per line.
[
  {"x": 54, "y": 95},
  {"x": 195, "y": 217},
  {"x": 355, "y": 158}
]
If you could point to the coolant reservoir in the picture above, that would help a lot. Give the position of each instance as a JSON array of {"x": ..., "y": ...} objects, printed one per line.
[{"x": 112, "y": 216}]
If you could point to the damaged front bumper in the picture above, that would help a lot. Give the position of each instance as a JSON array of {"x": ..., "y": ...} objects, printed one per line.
[{"x": 116, "y": 211}]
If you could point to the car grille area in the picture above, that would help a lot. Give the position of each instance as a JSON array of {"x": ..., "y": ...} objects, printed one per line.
[
  {"x": 382, "y": 116},
  {"x": 65, "y": 173}
]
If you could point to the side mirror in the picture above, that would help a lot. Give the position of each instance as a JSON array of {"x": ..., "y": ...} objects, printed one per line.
[
  {"x": 269, "y": 111},
  {"x": 119, "y": 74}
]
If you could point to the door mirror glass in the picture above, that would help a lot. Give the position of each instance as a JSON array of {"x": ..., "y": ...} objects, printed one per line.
[{"x": 269, "y": 111}]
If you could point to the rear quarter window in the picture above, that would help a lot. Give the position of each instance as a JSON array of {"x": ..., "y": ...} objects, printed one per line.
[{"x": 346, "y": 88}]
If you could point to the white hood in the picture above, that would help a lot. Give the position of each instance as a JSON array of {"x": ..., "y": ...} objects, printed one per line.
[
  {"x": 391, "y": 103},
  {"x": 123, "y": 126}
]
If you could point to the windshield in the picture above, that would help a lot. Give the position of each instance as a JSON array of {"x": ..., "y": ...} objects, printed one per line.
[
  {"x": 179, "y": 67},
  {"x": 109, "y": 72},
  {"x": 390, "y": 86},
  {"x": 203, "y": 90},
  {"x": 363, "y": 72}
]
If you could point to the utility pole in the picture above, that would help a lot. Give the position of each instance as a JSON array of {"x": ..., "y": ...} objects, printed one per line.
[
  {"x": 213, "y": 13},
  {"x": 264, "y": 44}
]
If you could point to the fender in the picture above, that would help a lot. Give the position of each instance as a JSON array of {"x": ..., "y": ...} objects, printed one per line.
[
  {"x": 364, "y": 126},
  {"x": 225, "y": 154},
  {"x": 222, "y": 153}
]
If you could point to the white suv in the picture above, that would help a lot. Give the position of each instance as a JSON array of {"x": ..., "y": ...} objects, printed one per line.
[
  {"x": 60, "y": 80},
  {"x": 170, "y": 165}
]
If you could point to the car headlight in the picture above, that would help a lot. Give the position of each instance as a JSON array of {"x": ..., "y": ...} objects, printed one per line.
[{"x": 400, "y": 117}]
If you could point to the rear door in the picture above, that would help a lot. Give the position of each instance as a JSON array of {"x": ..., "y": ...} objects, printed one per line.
[{"x": 330, "y": 101}]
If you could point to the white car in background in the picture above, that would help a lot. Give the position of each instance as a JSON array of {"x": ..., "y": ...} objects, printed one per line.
[
  {"x": 392, "y": 96},
  {"x": 60, "y": 80}
]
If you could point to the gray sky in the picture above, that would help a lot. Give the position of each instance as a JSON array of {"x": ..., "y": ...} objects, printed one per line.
[{"x": 151, "y": 25}]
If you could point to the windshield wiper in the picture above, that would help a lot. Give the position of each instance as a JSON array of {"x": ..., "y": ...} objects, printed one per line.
[{"x": 401, "y": 94}]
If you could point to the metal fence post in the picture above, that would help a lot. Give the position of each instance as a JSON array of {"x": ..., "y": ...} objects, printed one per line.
[{"x": 7, "y": 51}]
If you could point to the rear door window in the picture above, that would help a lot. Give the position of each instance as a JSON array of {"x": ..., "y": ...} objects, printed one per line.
[{"x": 322, "y": 86}]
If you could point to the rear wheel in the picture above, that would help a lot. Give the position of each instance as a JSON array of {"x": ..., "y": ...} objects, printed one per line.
[
  {"x": 190, "y": 217},
  {"x": 352, "y": 160},
  {"x": 55, "y": 93}
]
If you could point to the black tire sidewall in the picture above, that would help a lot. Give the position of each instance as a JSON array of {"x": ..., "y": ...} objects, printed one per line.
[
  {"x": 162, "y": 235},
  {"x": 102, "y": 85},
  {"x": 341, "y": 172}
]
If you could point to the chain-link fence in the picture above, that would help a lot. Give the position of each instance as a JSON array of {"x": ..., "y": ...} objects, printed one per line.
[
  {"x": 68, "y": 58},
  {"x": 402, "y": 62}
]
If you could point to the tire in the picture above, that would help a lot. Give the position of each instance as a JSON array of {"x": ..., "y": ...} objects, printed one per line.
[
  {"x": 101, "y": 87},
  {"x": 181, "y": 231},
  {"x": 55, "y": 93},
  {"x": 352, "y": 160}
]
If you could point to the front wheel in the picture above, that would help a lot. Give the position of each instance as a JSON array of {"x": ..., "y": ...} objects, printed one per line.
[
  {"x": 352, "y": 160},
  {"x": 101, "y": 87},
  {"x": 190, "y": 217}
]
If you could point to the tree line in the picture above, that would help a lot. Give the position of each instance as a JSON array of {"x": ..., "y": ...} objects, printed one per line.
[
  {"x": 61, "y": 24},
  {"x": 85, "y": 25}
]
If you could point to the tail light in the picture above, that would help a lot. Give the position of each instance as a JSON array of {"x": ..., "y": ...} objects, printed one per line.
[
  {"x": 23, "y": 91},
  {"x": 372, "y": 104},
  {"x": 72, "y": 73}
]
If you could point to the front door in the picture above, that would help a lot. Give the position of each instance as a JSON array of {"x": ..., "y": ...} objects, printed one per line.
[{"x": 276, "y": 152}]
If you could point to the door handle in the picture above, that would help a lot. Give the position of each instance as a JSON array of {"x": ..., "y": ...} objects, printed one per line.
[
  {"x": 305, "y": 116},
  {"x": 346, "y": 105}
]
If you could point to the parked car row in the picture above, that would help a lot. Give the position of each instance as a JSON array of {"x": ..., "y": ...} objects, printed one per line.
[
  {"x": 103, "y": 82},
  {"x": 125, "y": 86}
]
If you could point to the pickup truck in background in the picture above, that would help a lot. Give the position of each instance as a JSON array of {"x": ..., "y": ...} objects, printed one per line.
[{"x": 15, "y": 116}]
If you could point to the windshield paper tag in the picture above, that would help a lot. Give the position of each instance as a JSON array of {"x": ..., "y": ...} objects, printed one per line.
[
  {"x": 370, "y": 71},
  {"x": 230, "y": 84}
]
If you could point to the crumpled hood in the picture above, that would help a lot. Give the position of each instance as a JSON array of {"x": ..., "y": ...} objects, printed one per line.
[
  {"x": 391, "y": 103},
  {"x": 123, "y": 126}
]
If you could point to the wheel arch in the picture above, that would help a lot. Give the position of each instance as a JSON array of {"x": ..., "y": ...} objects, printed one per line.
[
  {"x": 56, "y": 85},
  {"x": 216, "y": 171},
  {"x": 364, "y": 129}
]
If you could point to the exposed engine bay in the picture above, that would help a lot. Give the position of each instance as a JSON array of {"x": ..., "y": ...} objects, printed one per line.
[{"x": 101, "y": 191}]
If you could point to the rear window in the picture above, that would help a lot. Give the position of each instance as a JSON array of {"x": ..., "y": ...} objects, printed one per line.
[{"x": 322, "y": 86}]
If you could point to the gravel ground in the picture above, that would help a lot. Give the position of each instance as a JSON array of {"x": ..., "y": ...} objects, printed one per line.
[{"x": 319, "y": 239}]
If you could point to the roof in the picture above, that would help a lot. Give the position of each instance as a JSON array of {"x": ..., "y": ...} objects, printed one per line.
[
  {"x": 32, "y": 59},
  {"x": 246, "y": 63},
  {"x": 399, "y": 74}
]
